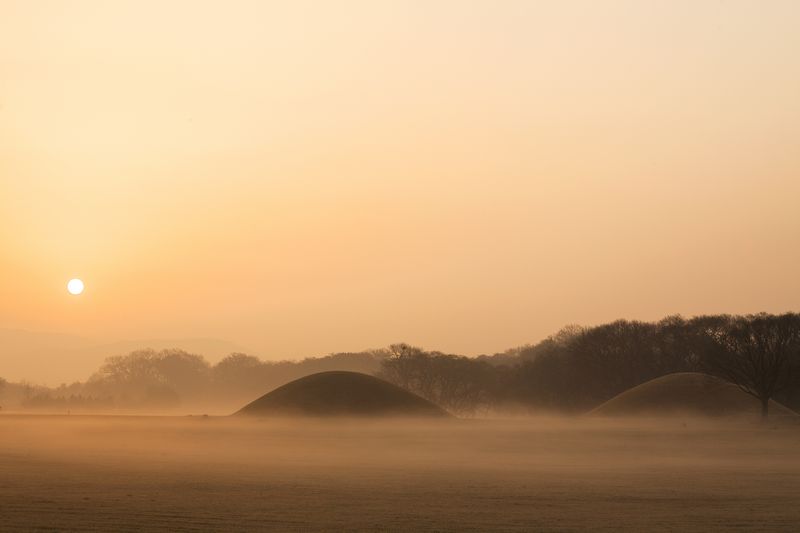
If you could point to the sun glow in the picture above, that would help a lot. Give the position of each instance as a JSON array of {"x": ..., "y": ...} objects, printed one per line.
[{"x": 75, "y": 286}]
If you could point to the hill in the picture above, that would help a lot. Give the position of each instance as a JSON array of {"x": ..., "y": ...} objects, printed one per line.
[
  {"x": 690, "y": 393},
  {"x": 340, "y": 393}
]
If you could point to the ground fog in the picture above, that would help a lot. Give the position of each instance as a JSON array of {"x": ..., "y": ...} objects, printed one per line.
[{"x": 552, "y": 474}]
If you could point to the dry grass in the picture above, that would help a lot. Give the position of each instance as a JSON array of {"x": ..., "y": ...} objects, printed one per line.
[{"x": 223, "y": 474}]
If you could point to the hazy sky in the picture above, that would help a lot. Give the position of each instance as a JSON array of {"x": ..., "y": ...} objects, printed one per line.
[{"x": 308, "y": 177}]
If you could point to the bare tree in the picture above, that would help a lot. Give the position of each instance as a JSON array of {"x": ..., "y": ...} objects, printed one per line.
[
  {"x": 758, "y": 353},
  {"x": 403, "y": 365},
  {"x": 460, "y": 384}
]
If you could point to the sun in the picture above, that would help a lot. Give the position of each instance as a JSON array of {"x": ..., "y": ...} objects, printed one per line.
[{"x": 75, "y": 286}]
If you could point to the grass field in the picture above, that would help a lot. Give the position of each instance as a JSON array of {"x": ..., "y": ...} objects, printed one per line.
[{"x": 194, "y": 473}]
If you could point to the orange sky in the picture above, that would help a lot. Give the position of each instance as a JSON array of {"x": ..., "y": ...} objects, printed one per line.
[{"x": 308, "y": 177}]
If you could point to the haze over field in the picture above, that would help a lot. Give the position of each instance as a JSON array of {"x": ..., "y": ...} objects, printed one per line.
[
  {"x": 50, "y": 358},
  {"x": 305, "y": 178},
  {"x": 198, "y": 474},
  {"x": 399, "y": 265}
]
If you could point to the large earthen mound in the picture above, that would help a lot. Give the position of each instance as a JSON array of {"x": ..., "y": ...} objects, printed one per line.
[
  {"x": 340, "y": 393},
  {"x": 689, "y": 393}
]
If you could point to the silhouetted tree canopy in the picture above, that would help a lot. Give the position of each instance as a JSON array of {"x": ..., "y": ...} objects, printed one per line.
[
  {"x": 758, "y": 353},
  {"x": 459, "y": 384},
  {"x": 573, "y": 370},
  {"x": 147, "y": 377}
]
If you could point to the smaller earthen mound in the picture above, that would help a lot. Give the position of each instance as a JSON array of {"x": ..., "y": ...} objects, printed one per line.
[
  {"x": 687, "y": 393},
  {"x": 341, "y": 393}
]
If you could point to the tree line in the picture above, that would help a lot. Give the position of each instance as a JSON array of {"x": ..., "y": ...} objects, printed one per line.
[
  {"x": 174, "y": 379},
  {"x": 579, "y": 368},
  {"x": 571, "y": 371}
]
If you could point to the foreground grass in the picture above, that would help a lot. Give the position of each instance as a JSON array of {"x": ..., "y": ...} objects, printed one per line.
[{"x": 181, "y": 473}]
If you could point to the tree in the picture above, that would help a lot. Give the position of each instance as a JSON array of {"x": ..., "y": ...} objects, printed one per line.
[
  {"x": 459, "y": 384},
  {"x": 404, "y": 365},
  {"x": 154, "y": 378},
  {"x": 758, "y": 353},
  {"x": 187, "y": 374},
  {"x": 240, "y": 377}
]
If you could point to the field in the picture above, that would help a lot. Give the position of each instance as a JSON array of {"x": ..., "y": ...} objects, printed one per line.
[{"x": 538, "y": 474}]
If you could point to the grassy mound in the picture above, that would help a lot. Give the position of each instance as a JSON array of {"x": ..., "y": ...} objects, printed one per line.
[
  {"x": 690, "y": 393},
  {"x": 341, "y": 393}
]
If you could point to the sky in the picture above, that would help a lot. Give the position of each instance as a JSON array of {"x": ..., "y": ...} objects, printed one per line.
[{"x": 301, "y": 178}]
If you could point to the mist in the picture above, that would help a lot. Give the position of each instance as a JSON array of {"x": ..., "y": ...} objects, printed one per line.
[
  {"x": 573, "y": 371},
  {"x": 452, "y": 266},
  {"x": 538, "y": 473}
]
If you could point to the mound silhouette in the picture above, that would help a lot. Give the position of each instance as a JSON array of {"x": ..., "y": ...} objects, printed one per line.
[
  {"x": 340, "y": 393},
  {"x": 691, "y": 393}
]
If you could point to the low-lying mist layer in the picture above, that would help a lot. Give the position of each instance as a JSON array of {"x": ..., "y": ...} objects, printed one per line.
[
  {"x": 179, "y": 473},
  {"x": 573, "y": 371}
]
